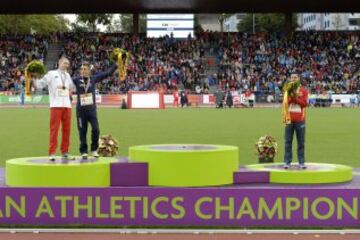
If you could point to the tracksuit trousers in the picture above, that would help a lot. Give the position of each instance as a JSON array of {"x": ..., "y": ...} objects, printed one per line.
[
  {"x": 59, "y": 116},
  {"x": 85, "y": 116}
]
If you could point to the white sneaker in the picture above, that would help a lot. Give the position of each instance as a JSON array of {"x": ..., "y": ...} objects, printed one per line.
[
  {"x": 52, "y": 158},
  {"x": 84, "y": 156},
  {"x": 67, "y": 156},
  {"x": 95, "y": 154},
  {"x": 302, "y": 166},
  {"x": 286, "y": 166}
]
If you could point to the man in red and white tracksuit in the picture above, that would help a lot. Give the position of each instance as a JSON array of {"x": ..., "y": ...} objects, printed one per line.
[
  {"x": 60, "y": 86},
  {"x": 176, "y": 98},
  {"x": 296, "y": 108}
]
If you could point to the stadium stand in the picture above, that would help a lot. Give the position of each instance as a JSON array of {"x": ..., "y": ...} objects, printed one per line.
[{"x": 326, "y": 61}]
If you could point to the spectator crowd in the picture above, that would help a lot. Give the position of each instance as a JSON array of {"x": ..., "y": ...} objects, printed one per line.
[
  {"x": 15, "y": 53},
  {"x": 326, "y": 61}
]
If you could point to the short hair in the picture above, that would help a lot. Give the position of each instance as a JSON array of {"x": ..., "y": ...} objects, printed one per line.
[
  {"x": 63, "y": 58},
  {"x": 295, "y": 71},
  {"x": 86, "y": 64}
]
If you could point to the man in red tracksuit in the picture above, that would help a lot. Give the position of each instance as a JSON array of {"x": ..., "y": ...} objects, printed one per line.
[
  {"x": 176, "y": 98},
  {"x": 296, "y": 108}
]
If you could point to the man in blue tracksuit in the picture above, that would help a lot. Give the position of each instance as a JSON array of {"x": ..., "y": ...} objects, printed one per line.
[{"x": 86, "y": 106}]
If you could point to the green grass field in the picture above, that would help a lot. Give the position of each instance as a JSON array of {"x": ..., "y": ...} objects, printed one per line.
[{"x": 332, "y": 136}]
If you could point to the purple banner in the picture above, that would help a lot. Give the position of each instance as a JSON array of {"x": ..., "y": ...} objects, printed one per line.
[{"x": 148, "y": 206}]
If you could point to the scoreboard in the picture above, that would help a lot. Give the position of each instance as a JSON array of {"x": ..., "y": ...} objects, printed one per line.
[{"x": 179, "y": 25}]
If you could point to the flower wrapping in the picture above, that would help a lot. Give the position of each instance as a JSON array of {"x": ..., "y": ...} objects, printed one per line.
[
  {"x": 121, "y": 57},
  {"x": 290, "y": 90}
]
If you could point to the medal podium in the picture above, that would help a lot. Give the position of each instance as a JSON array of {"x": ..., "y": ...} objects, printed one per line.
[{"x": 177, "y": 185}]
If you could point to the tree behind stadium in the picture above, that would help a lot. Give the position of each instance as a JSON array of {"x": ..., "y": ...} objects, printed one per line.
[{"x": 26, "y": 24}]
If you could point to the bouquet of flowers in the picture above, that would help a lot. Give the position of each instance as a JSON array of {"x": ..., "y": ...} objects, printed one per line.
[
  {"x": 291, "y": 88},
  {"x": 34, "y": 69},
  {"x": 113, "y": 57},
  {"x": 121, "y": 57},
  {"x": 108, "y": 146},
  {"x": 266, "y": 148}
]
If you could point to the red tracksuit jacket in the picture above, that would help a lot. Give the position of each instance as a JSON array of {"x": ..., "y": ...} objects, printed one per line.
[{"x": 297, "y": 105}]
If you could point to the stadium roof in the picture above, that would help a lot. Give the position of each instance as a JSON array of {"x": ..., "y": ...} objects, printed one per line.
[{"x": 176, "y": 6}]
